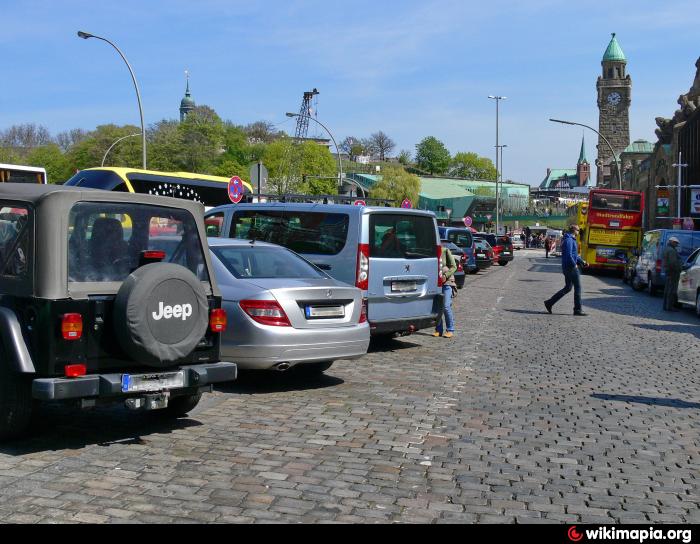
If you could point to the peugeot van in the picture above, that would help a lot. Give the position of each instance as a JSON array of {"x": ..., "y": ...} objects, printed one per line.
[
  {"x": 391, "y": 254},
  {"x": 649, "y": 271}
]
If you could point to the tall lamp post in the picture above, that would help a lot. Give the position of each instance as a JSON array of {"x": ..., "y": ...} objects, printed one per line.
[
  {"x": 115, "y": 143},
  {"x": 87, "y": 35},
  {"x": 499, "y": 150},
  {"x": 617, "y": 161},
  {"x": 337, "y": 149},
  {"x": 498, "y": 202}
]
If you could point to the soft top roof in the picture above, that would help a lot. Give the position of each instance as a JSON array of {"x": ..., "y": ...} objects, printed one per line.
[{"x": 35, "y": 193}]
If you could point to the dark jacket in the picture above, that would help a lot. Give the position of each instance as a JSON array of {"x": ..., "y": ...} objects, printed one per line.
[
  {"x": 671, "y": 260},
  {"x": 569, "y": 252}
]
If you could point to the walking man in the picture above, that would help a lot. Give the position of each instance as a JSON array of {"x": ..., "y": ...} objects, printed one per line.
[
  {"x": 448, "y": 267},
  {"x": 672, "y": 266},
  {"x": 570, "y": 259}
]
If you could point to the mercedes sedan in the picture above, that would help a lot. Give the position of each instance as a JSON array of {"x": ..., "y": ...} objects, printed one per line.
[{"x": 283, "y": 311}]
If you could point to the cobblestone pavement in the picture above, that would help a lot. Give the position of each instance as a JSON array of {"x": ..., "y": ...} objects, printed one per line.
[{"x": 523, "y": 417}]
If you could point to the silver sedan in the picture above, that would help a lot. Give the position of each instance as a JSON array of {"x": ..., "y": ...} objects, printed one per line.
[{"x": 284, "y": 312}]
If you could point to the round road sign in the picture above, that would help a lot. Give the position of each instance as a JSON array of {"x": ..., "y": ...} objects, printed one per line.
[
  {"x": 236, "y": 190},
  {"x": 406, "y": 204},
  {"x": 468, "y": 221},
  {"x": 360, "y": 203}
]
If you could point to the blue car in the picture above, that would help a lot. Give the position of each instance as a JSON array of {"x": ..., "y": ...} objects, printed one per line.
[{"x": 464, "y": 239}]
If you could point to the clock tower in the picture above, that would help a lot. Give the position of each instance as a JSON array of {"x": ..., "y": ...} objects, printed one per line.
[{"x": 614, "y": 99}]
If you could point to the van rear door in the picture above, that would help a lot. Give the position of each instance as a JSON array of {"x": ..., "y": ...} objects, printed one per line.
[{"x": 403, "y": 266}]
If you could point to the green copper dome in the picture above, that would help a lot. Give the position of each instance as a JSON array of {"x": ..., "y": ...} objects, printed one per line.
[
  {"x": 582, "y": 156},
  {"x": 614, "y": 52}
]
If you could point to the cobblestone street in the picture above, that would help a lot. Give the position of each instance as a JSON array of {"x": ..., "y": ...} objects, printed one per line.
[{"x": 522, "y": 417}]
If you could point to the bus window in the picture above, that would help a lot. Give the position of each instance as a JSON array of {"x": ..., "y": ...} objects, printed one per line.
[
  {"x": 609, "y": 201},
  {"x": 14, "y": 173}
]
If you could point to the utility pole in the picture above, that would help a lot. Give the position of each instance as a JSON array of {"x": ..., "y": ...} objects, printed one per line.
[
  {"x": 498, "y": 203},
  {"x": 680, "y": 167}
]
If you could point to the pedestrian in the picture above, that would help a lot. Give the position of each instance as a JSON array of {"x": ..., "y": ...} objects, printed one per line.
[
  {"x": 546, "y": 247},
  {"x": 570, "y": 260},
  {"x": 448, "y": 267},
  {"x": 672, "y": 267}
]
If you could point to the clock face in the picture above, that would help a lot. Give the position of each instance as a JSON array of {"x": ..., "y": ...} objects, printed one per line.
[{"x": 614, "y": 99}]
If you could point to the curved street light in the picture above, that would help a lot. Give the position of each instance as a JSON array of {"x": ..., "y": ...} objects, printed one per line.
[
  {"x": 115, "y": 143},
  {"x": 87, "y": 35},
  {"x": 337, "y": 149},
  {"x": 617, "y": 161}
]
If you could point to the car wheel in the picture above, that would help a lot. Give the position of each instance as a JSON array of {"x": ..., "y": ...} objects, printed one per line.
[
  {"x": 636, "y": 284},
  {"x": 504, "y": 263},
  {"x": 697, "y": 305},
  {"x": 312, "y": 369},
  {"x": 16, "y": 403},
  {"x": 181, "y": 406}
]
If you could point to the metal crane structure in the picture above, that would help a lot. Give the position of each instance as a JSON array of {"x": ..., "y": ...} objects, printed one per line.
[{"x": 304, "y": 114}]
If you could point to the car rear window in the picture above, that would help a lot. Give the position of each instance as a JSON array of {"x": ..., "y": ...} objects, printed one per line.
[
  {"x": 15, "y": 241},
  {"x": 462, "y": 238},
  {"x": 258, "y": 262},
  {"x": 106, "y": 240},
  {"x": 308, "y": 233},
  {"x": 398, "y": 236}
]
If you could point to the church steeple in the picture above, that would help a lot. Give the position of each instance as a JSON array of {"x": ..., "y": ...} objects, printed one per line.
[
  {"x": 187, "y": 104},
  {"x": 582, "y": 156},
  {"x": 583, "y": 167}
]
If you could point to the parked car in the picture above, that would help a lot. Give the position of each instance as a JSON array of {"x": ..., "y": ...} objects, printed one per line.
[
  {"x": 284, "y": 312},
  {"x": 518, "y": 243},
  {"x": 484, "y": 253},
  {"x": 461, "y": 259},
  {"x": 93, "y": 312},
  {"x": 391, "y": 254},
  {"x": 649, "y": 272},
  {"x": 689, "y": 283},
  {"x": 464, "y": 239},
  {"x": 502, "y": 247}
]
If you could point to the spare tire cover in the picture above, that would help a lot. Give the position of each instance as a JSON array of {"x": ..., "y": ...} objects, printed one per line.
[{"x": 160, "y": 314}]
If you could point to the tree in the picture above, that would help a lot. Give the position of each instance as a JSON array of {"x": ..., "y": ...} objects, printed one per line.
[
  {"x": 202, "y": 137},
  {"x": 53, "y": 160},
  {"x": 397, "y": 184},
  {"x": 319, "y": 170},
  {"x": 353, "y": 147},
  {"x": 382, "y": 144},
  {"x": 165, "y": 146},
  {"x": 307, "y": 167},
  {"x": 89, "y": 152},
  {"x": 405, "y": 157},
  {"x": 23, "y": 138},
  {"x": 432, "y": 156},
  {"x": 261, "y": 132},
  {"x": 471, "y": 166},
  {"x": 68, "y": 138},
  {"x": 369, "y": 147}
]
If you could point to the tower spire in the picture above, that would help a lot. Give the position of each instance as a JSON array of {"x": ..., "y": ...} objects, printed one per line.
[
  {"x": 187, "y": 104},
  {"x": 582, "y": 156}
]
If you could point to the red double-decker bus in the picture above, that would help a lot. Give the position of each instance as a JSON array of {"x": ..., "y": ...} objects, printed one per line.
[{"x": 613, "y": 228}]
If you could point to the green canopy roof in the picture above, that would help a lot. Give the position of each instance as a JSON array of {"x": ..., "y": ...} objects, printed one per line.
[{"x": 614, "y": 52}]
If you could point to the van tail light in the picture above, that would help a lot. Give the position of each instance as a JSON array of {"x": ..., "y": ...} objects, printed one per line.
[
  {"x": 218, "y": 320},
  {"x": 363, "y": 312},
  {"x": 439, "y": 259},
  {"x": 74, "y": 371},
  {"x": 266, "y": 312},
  {"x": 72, "y": 326},
  {"x": 658, "y": 266},
  {"x": 362, "y": 277},
  {"x": 460, "y": 268}
]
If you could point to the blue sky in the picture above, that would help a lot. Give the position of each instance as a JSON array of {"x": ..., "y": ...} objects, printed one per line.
[{"x": 409, "y": 68}]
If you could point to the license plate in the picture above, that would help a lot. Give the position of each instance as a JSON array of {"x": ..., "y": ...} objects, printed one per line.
[
  {"x": 404, "y": 286},
  {"x": 506, "y": 253},
  {"x": 137, "y": 383},
  {"x": 320, "y": 312}
]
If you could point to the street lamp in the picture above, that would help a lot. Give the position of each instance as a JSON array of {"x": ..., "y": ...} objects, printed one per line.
[
  {"x": 498, "y": 205},
  {"x": 115, "y": 143},
  {"x": 87, "y": 35},
  {"x": 617, "y": 162},
  {"x": 337, "y": 149}
]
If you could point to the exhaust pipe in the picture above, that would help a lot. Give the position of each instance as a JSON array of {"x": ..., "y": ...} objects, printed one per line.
[{"x": 282, "y": 367}]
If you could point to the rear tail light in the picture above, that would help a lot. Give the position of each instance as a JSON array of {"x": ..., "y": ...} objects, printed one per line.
[
  {"x": 460, "y": 268},
  {"x": 362, "y": 277},
  {"x": 218, "y": 320},
  {"x": 151, "y": 256},
  {"x": 363, "y": 312},
  {"x": 439, "y": 259},
  {"x": 266, "y": 312},
  {"x": 464, "y": 257},
  {"x": 658, "y": 266},
  {"x": 72, "y": 326},
  {"x": 75, "y": 371}
]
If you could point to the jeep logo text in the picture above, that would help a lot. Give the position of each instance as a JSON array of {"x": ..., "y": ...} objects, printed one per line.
[{"x": 179, "y": 311}]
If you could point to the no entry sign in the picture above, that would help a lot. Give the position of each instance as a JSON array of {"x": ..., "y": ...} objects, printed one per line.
[{"x": 236, "y": 189}]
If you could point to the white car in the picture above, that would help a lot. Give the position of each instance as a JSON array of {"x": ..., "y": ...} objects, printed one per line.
[
  {"x": 689, "y": 284},
  {"x": 517, "y": 242}
]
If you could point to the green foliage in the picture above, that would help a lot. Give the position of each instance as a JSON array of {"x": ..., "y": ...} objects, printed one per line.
[
  {"x": 53, "y": 160},
  {"x": 89, "y": 152},
  {"x": 405, "y": 157},
  {"x": 229, "y": 168},
  {"x": 296, "y": 168},
  {"x": 471, "y": 166},
  {"x": 397, "y": 185},
  {"x": 433, "y": 156},
  {"x": 202, "y": 135}
]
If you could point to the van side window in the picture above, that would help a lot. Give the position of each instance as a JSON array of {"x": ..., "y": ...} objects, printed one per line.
[
  {"x": 214, "y": 224},
  {"x": 14, "y": 242}
]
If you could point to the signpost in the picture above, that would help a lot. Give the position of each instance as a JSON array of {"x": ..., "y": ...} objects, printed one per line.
[
  {"x": 259, "y": 177},
  {"x": 407, "y": 204},
  {"x": 360, "y": 203},
  {"x": 236, "y": 190},
  {"x": 688, "y": 223},
  {"x": 468, "y": 221}
]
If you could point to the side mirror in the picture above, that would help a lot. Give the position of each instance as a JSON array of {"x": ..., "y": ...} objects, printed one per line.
[{"x": 687, "y": 266}]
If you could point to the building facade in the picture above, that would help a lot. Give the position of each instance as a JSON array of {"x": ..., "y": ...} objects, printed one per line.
[{"x": 614, "y": 89}]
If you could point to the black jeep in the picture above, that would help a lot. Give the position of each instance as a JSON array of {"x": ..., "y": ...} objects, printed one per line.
[{"x": 104, "y": 297}]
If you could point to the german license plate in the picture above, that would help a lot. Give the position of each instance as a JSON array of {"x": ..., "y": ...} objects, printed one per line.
[
  {"x": 404, "y": 286},
  {"x": 138, "y": 383},
  {"x": 506, "y": 253},
  {"x": 321, "y": 312}
]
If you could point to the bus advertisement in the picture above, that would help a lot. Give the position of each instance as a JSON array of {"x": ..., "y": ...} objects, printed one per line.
[{"x": 611, "y": 228}]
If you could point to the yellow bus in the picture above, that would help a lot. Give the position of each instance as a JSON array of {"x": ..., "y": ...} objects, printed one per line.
[
  {"x": 211, "y": 191},
  {"x": 15, "y": 173}
]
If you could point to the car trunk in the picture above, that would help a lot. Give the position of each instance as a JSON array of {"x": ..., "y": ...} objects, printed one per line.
[{"x": 315, "y": 303}]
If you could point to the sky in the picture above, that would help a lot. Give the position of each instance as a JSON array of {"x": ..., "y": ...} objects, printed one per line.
[{"x": 409, "y": 68}]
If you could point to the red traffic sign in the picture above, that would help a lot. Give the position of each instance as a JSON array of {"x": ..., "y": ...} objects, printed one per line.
[
  {"x": 236, "y": 189},
  {"x": 360, "y": 203},
  {"x": 468, "y": 221},
  {"x": 407, "y": 204}
]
